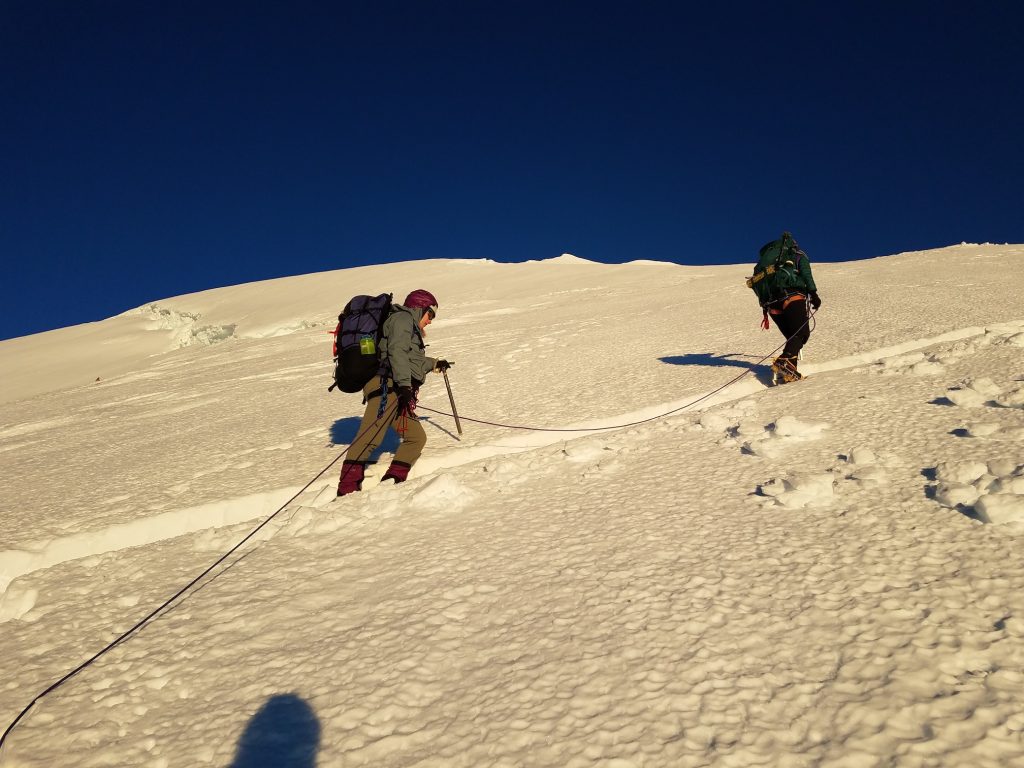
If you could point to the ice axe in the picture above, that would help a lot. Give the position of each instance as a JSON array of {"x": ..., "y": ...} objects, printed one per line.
[{"x": 451, "y": 399}]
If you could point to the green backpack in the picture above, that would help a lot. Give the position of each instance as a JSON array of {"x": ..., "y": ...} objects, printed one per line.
[{"x": 777, "y": 272}]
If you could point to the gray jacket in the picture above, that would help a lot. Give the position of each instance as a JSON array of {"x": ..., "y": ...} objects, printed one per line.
[{"x": 401, "y": 348}]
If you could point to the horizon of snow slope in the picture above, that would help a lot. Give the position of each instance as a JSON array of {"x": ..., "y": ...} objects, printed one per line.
[{"x": 823, "y": 574}]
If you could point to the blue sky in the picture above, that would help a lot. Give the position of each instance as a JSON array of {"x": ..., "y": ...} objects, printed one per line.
[{"x": 153, "y": 149}]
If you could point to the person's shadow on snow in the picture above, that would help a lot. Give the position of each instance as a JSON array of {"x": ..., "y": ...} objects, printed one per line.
[
  {"x": 344, "y": 431},
  {"x": 761, "y": 368},
  {"x": 283, "y": 734},
  {"x": 706, "y": 358}
]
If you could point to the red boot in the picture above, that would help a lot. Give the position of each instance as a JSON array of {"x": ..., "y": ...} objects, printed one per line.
[
  {"x": 398, "y": 471},
  {"x": 351, "y": 477}
]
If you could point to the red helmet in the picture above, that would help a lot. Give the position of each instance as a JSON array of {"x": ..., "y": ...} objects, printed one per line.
[{"x": 420, "y": 298}]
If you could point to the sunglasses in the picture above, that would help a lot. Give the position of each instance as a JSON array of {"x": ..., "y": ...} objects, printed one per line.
[{"x": 432, "y": 311}]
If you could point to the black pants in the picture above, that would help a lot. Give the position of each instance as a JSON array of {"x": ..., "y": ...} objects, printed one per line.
[{"x": 795, "y": 326}]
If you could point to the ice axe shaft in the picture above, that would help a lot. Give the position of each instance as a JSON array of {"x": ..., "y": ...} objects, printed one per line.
[{"x": 451, "y": 399}]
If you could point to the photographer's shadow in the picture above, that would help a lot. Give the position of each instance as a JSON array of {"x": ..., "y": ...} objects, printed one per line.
[{"x": 285, "y": 733}]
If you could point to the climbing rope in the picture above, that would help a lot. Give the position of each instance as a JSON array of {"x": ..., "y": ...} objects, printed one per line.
[
  {"x": 123, "y": 637},
  {"x": 712, "y": 393},
  {"x": 167, "y": 603}
]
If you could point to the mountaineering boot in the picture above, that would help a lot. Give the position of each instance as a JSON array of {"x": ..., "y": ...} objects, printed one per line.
[
  {"x": 351, "y": 477},
  {"x": 398, "y": 471},
  {"x": 784, "y": 370}
]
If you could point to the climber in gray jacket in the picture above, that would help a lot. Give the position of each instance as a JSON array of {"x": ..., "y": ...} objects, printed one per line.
[{"x": 404, "y": 367}]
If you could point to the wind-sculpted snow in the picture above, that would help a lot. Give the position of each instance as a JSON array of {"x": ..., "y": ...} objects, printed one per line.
[
  {"x": 185, "y": 326},
  {"x": 823, "y": 574}
]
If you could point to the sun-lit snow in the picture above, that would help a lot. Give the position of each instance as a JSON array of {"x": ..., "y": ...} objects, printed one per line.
[{"x": 828, "y": 573}]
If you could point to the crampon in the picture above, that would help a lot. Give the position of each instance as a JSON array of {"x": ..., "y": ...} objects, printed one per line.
[{"x": 784, "y": 371}]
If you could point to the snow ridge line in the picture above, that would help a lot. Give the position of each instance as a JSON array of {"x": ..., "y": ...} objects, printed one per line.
[
  {"x": 138, "y": 532},
  {"x": 525, "y": 441},
  {"x": 866, "y": 358},
  {"x": 167, "y": 525}
]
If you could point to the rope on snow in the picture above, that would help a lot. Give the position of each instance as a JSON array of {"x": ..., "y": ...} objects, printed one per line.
[
  {"x": 167, "y": 603},
  {"x": 703, "y": 397},
  {"x": 123, "y": 637}
]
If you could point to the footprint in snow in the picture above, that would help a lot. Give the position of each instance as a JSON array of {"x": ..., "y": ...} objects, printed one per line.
[
  {"x": 771, "y": 440},
  {"x": 914, "y": 363},
  {"x": 981, "y": 392},
  {"x": 585, "y": 453},
  {"x": 862, "y": 467},
  {"x": 859, "y": 467},
  {"x": 991, "y": 492},
  {"x": 990, "y": 431},
  {"x": 800, "y": 490}
]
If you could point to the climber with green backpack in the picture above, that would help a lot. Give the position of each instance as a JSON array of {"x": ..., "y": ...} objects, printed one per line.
[{"x": 783, "y": 284}]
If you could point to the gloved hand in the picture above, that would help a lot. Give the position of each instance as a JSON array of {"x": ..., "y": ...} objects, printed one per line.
[
  {"x": 442, "y": 365},
  {"x": 406, "y": 400},
  {"x": 815, "y": 301}
]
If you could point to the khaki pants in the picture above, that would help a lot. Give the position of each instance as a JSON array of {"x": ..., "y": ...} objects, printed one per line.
[{"x": 372, "y": 430}]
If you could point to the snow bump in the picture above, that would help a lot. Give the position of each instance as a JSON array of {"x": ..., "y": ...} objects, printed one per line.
[
  {"x": 442, "y": 492},
  {"x": 771, "y": 440},
  {"x": 801, "y": 490},
  {"x": 993, "y": 492}
]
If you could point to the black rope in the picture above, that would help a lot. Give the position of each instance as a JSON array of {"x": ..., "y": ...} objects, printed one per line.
[
  {"x": 166, "y": 604},
  {"x": 383, "y": 424},
  {"x": 713, "y": 392}
]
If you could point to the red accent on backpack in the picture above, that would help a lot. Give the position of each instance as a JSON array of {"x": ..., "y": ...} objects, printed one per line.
[{"x": 334, "y": 345}]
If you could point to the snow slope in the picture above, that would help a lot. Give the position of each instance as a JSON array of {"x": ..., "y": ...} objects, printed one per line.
[{"x": 824, "y": 574}]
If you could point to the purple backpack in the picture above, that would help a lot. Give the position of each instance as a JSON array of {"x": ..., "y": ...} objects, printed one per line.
[{"x": 357, "y": 341}]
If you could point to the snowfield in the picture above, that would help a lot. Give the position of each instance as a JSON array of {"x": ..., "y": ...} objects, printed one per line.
[{"x": 828, "y": 573}]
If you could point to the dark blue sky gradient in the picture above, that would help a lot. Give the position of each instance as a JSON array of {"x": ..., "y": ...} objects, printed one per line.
[{"x": 152, "y": 148}]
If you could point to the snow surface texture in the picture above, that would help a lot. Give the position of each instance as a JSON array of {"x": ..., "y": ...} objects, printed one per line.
[{"x": 824, "y": 574}]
